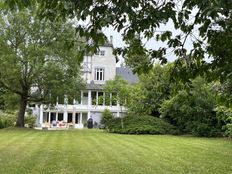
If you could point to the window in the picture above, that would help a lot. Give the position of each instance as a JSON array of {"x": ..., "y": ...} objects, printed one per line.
[
  {"x": 101, "y": 53},
  {"x": 99, "y": 74}
]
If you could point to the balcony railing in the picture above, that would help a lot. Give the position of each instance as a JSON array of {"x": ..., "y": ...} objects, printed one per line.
[{"x": 80, "y": 107}]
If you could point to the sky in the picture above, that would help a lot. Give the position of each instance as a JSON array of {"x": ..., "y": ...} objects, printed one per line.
[
  {"x": 149, "y": 44},
  {"x": 152, "y": 43}
]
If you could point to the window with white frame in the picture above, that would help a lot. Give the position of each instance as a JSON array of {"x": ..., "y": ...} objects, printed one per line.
[{"x": 99, "y": 74}]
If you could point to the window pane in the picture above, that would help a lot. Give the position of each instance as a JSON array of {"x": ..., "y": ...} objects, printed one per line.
[
  {"x": 99, "y": 74},
  {"x": 102, "y": 52}
]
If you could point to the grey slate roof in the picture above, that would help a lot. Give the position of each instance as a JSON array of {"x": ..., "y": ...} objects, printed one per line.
[
  {"x": 124, "y": 72},
  {"x": 127, "y": 74}
]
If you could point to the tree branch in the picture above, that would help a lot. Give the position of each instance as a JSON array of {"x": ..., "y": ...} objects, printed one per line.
[{"x": 10, "y": 89}]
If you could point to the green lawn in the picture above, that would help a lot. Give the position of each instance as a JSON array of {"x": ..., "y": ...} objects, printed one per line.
[{"x": 92, "y": 151}]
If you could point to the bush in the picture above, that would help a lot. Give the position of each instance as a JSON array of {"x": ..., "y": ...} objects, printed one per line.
[
  {"x": 7, "y": 120},
  {"x": 106, "y": 117},
  {"x": 144, "y": 124},
  {"x": 229, "y": 130},
  {"x": 224, "y": 115},
  {"x": 192, "y": 111},
  {"x": 30, "y": 121}
]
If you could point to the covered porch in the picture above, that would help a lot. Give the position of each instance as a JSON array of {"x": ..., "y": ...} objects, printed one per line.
[{"x": 54, "y": 119}]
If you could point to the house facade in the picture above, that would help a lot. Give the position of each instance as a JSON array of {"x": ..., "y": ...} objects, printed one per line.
[{"x": 97, "y": 69}]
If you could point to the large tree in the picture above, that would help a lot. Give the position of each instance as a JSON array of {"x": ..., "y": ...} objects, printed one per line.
[
  {"x": 154, "y": 87},
  {"x": 38, "y": 58},
  {"x": 206, "y": 25}
]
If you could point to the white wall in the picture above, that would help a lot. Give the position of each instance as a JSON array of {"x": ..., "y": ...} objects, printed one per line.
[{"x": 108, "y": 62}]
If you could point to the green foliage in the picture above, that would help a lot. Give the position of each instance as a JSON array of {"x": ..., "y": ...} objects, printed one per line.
[
  {"x": 121, "y": 88},
  {"x": 229, "y": 129},
  {"x": 141, "y": 124},
  {"x": 224, "y": 115},
  {"x": 106, "y": 117},
  {"x": 8, "y": 100},
  {"x": 11, "y": 101},
  {"x": 224, "y": 93},
  {"x": 107, "y": 99},
  {"x": 2, "y": 102},
  {"x": 30, "y": 121},
  {"x": 136, "y": 56},
  {"x": 153, "y": 89},
  {"x": 7, "y": 119},
  {"x": 40, "y": 59},
  {"x": 138, "y": 20},
  {"x": 122, "y": 91},
  {"x": 192, "y": 110},
  {"x": 100, "y": 100},
  {"x": 135, "y": 19}
]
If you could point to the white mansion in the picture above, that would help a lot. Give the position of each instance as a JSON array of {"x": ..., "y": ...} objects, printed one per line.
[{"x": 97, "y": 69}]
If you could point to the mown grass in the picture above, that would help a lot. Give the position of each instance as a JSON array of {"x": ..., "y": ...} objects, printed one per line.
[{"x": 97, "y": 152}]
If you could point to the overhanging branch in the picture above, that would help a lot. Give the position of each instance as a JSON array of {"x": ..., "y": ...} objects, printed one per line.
[{"x": 10, "y": 89}]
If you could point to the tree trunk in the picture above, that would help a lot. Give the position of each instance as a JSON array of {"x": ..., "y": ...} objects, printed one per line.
[{"x": 22, "y": 109}]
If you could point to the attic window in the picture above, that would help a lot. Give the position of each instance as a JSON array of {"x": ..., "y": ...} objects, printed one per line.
[{"x": 102, "y": 52}]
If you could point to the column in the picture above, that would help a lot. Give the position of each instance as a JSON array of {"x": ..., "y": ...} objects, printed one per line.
[
  {"x": 74, "y": 111},
  {"x": 36, "y": 113},
  {"x": 118, "y": 105},
  {"x": 96, "y": 98},
  {"x": 81, "y": 120},
  {"x": 81, "y": 97},
  {"x": 89, "y": 98},
  {"x": 56, "y": 116},
  {"x": 110, "y": 99},
  {"x": 41, "y": 115},
  {"x": 74, "y": 118},
  {"x": 89, "y": 115},
  {"x": 49, "y": 117},
  {"x": 104, "y": 98},
  {"x": 118, "y": 108},
  {"x": 65, "y": 116}
]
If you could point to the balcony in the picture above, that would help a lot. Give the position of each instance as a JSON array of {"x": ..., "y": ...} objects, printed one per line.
[{"x": 85, "y": 108}]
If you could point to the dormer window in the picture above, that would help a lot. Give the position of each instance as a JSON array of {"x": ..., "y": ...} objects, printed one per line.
[{"x": 99, "y": 74}]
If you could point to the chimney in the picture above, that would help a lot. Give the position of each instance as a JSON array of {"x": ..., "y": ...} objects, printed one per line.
[{"x": 111, "y": 39}]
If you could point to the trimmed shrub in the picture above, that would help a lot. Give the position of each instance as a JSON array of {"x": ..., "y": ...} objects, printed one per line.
[
  {"x": 141, "y": 125},
  {"x": 7, "y": 120}
]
